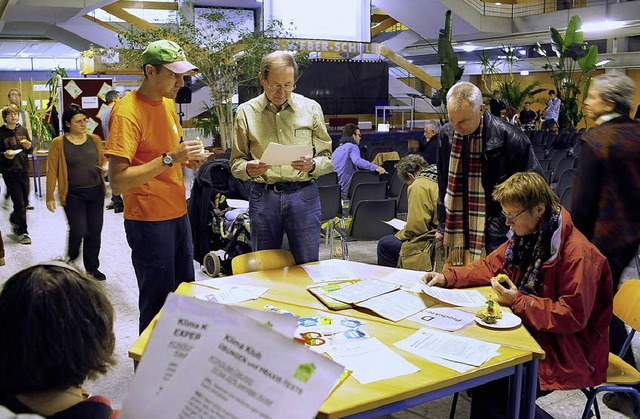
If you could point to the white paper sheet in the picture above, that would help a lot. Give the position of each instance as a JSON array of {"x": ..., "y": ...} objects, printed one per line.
[
  {"x": 426, "y": 342},
  {"x": 330, "y": 270},
  {"x": 180, "y": 328},
  {"x": 395, "y": 305},
  {"x": 408, "y": 280},
  {"x": 282, "y": 155},
  {"x": 456, "y": 297},
  {"x": 229, "y": 294},
  {"x": 237, "y": 368},
  {"x": 370, "y": 360},
  {"x": 362, "y": 290},
  {"x": 238, "y": 203},
  {"x": 318, "y": 333},
  {"x": 445, "y": 318},
  {"x": 395, "y": 223}
]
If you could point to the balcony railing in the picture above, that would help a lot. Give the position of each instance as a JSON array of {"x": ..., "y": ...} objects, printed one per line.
[{"x": 530, "y": 8}]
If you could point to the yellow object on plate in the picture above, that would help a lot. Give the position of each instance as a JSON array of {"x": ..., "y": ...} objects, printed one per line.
[{"x": 491, "y": 313}]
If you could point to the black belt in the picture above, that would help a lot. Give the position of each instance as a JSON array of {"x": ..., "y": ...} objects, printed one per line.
[{"x": 280, "y": 187}]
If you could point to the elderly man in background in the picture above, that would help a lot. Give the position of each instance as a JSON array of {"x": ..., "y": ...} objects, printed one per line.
[
  {"x": 282, "y": 199},
  {"x": 607, "y": 191},
  {"x": 347, "y": 160},
  {"x": 427, "y": 148},
  {"x": 477, "y": 151}
]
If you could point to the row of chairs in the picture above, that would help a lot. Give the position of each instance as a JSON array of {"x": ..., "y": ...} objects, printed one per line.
[{"x": 369, "y": 204}]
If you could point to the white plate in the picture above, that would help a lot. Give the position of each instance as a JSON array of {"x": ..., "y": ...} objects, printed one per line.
[
  {"x": 205, "y": 154},
  {"x": 507, "y": 321}
]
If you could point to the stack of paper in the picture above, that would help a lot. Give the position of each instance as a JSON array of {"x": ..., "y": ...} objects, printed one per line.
[
  {"x": 229, "y": 294},
  {"x": 381, "y": 297},
  {"x": 213, "y": 360},
  {"x": 370, "y": 360},
  {"x": 456, "y": 297},
  {"x": 456, "y": 352},
  {"x": 330, "y": 271}
]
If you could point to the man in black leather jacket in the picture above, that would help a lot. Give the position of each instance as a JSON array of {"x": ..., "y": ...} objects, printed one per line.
[{"x": 506, "y": 150}]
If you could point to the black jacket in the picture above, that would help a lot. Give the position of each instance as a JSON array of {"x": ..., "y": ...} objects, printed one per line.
[
  {"x": 213, "y": 177},
  {"x": 507, "y": 150},
  {"x": 10, "y": 140}
]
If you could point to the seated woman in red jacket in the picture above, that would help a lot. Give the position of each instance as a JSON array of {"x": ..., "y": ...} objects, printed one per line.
[
  {"x": 56, "y": 331},
  {"x": 559, "y": 285}
]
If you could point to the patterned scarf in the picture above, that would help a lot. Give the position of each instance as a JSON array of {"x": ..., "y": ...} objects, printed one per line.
[
  {"x": 528, "y": 253},
  {"x": 454, "y": 234},
  {"x": 431, "y": 172}
]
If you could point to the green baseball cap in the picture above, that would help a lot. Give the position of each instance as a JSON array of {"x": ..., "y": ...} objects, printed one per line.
[{"x": 168, "y": 54}]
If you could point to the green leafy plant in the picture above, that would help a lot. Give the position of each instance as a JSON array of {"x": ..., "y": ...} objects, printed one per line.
[
  {"x": 516, "y": 95},
  {"x": 207, "y": 124},
  {"x": 226, "y": 56},
  {"x": 42, "y": 131},
  {"x": 451, "y": 72},
  {"x": 571, "y": 73}
]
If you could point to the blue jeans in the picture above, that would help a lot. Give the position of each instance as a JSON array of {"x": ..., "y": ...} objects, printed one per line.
[
  {"x": 294, "y": 210},
  {"x": 162, "y": 257}
]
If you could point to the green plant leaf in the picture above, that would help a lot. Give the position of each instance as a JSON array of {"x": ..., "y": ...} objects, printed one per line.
[
  {"x": 557, "y": 42},
  {"x": 570, "y": 33},
  {"x": 538, "y": 48},
  {"x": 588, "y": 62}
]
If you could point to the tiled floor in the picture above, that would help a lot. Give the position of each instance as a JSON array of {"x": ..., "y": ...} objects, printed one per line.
[{"x": 48, "y": 232}]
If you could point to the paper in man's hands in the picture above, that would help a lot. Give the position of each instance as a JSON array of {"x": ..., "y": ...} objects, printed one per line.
[{"x": 282, "y": 155}]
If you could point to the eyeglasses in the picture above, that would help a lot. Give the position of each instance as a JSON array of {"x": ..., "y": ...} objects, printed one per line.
[
  {"x": 512, "y": 217},
  {"x": 276, "y": 87}
]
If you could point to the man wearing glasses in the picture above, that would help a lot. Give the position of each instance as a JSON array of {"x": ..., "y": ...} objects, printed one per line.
[
  {"x": 283, "y": 199},
  {"x": 477, "y": 151}
]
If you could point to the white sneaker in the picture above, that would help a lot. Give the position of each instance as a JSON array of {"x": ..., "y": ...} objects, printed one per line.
[{"x": 24, "y": 239}]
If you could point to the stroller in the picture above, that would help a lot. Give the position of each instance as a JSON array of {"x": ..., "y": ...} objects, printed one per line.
[{"x": 214, "y": 225}]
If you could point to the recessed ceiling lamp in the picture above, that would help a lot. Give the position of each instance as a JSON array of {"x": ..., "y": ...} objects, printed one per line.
[
  {"x": 524, "y": 73},
  {"x": 468, "y": 48},
  {"x": 607, "y": 25}
]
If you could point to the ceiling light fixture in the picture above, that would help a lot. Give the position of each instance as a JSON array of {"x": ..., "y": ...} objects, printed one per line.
[
  {"x": 468, "y": 48},
  {"x": 524, "y": 73}
]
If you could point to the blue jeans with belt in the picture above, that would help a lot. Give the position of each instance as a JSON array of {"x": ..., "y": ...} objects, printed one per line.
[{"x": 288, "y": 207}]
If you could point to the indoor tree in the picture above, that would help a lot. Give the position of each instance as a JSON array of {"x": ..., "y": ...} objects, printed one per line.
[
  {"x": 225, "y": 55},
  {"x": 571, "y": 73},
  {"x": 450, "y": 71}
]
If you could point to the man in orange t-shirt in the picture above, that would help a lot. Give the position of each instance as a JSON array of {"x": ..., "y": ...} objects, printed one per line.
[{"x": 145, "y": 166}]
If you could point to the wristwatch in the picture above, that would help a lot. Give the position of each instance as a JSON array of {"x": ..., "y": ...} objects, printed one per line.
[{"x": 166, "y": 159}]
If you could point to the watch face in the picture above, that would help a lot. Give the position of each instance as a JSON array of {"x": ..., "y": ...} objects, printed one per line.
[{"x": 167, "y": 160}]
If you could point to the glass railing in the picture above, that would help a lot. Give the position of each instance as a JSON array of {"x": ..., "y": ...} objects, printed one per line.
[{"x": 530, "y": 8}]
